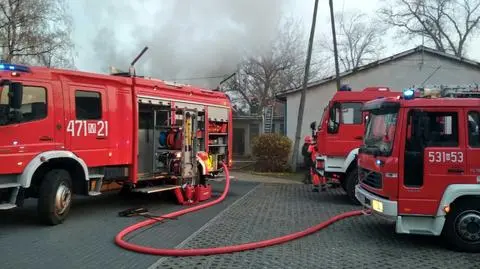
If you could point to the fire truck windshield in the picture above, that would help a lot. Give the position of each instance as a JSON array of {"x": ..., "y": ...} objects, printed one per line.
[{"x": 379, "y": 133}]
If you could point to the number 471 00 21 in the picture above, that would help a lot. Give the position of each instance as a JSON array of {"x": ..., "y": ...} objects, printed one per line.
[
  {"x": 444, "y": 157},
  {"x": 84, "y": 128}
]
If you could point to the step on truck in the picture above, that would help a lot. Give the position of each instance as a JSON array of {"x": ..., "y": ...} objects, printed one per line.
[
  {"x": 420, "y": 163},
  {"x": 340, "y": 134},
  {"x": 68, "y": 132}
]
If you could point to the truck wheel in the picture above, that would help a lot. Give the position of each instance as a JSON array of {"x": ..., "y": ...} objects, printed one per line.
[
  {"x": 55, "y": 197},
  {"x": 462, "y": 227},
  {"x": 351, "y": 180}
]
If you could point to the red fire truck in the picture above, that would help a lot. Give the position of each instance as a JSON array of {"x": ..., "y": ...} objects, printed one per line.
[
  {"x": 420, "y": 163},
  {"x": 340, "y": 133},
  {"x": 67, "y": 132}
]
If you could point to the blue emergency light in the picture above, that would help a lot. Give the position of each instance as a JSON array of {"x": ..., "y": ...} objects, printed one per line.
[
  {"x": 408, "y": 94},
  {"x": 345, "y": 88},
  {"x": 14, "y": 67}
]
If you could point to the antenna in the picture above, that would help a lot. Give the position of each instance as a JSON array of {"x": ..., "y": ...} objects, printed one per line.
[
  {"x": 132, "y": 68},
  {"x": 221, "y": 82},
  {"x": 431, "y": 75}
]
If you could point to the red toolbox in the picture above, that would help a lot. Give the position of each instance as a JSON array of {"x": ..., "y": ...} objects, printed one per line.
[{"x": 203, "y": 192}]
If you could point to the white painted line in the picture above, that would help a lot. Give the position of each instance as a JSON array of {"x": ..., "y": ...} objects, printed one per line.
[{"x": 193, "y": 235}]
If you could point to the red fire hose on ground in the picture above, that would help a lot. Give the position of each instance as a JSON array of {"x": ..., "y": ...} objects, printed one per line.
[{"x": 217, "y": 250}]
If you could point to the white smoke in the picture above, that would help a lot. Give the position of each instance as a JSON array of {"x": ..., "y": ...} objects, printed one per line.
[{"x": 186, "y": 39}]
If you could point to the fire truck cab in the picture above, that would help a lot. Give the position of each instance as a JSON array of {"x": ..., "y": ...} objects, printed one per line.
[
  {"x": 340, "y": 133},
  {"x": 67, "y": 132},
  {"x": 420, "y": 163}
]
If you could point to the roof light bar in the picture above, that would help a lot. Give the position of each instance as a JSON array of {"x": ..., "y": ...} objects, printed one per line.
[
  {"x": 14, "y": 67},
  {"x": 409, "y": 94}
]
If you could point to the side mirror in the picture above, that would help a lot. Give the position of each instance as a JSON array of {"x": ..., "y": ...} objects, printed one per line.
[
  {"x": 331, "y": 113},
  {"x": 15, "y": 95},
  {"x": 313, "y": 125},
  {"x": 332, "y": 127}
]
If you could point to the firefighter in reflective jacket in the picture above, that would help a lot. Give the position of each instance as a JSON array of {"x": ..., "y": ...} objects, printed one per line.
[
  {"x": 317, "y": 180},
  {"x": 310, "y": 158},
  {"x": 307, "y": 160}
]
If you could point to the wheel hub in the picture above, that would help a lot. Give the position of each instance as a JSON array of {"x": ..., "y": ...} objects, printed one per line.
[
  {"x": 468, "y": 226},
  {"x": 63, "y": 199}
]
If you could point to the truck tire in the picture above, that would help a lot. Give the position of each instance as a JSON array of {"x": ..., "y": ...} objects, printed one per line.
[
  {"x": 55, "y": 197},
  {"x": 462, "y": 227},
  {"x": 351, "y": 180}
]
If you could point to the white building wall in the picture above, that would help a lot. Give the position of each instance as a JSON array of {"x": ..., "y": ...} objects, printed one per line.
[{"x": 397, "y": 75}]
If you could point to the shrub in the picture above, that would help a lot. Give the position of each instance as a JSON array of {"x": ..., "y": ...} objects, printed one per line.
[{"x": 271, "y": 152}]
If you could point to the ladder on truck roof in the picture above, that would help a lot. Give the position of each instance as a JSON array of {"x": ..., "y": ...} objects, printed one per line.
[{"x": 452, "y": 91}]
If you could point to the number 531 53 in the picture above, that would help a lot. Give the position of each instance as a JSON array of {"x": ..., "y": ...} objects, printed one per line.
[{"x": 443, "y": 157}]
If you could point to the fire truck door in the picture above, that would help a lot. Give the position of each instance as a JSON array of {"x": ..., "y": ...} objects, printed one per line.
[
  {"x": 433, "y": 162},
  {"x": 472, "y": 127},
  {"x": 88, "y": 125},
  {"x": 33, "y": 132}
]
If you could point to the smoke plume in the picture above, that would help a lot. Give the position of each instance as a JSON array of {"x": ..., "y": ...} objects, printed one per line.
[{"x": 186, "y": 39}]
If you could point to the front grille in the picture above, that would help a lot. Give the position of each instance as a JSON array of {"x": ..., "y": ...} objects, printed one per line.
[{"x": 370, "y": 178}]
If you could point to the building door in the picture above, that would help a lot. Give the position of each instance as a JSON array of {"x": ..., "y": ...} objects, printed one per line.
[{"x": 238, "y": 141}]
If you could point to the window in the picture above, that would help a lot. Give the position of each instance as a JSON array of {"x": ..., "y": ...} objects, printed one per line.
[
  {"x": 352, "y": 113},
  {"x": 88, "y": 105},
  {"x": 473, "y": 129},
  {"x": 437, "y": 129},
  {"x": 34, "y": 105},
  {"x": 334, "y": 118},
  {"x": 344, "y": 113},
  {"x": 443, "y": 129}
]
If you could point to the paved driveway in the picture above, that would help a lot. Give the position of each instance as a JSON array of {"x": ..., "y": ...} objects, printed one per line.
[
  {"x": 85, "y": 240},
  {"x": 278, "y": 209},
  {"x": 251, "y": 212}
]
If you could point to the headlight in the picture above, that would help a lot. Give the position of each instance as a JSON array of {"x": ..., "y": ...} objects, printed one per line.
[{"x": 178, "y": 155}]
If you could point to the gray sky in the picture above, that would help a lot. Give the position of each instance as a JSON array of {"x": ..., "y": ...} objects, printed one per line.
[{"x": 190, "y": 39}]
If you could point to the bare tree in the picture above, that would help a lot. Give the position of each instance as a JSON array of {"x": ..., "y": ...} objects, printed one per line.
[
  {"x": 36, "y": 32},
  {"x": 447, "y": 24},
  {"x": 260, "y": 77},
  {"x": 359, "y": 39}
]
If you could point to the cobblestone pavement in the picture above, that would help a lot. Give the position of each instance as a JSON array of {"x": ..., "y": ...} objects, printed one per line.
[
  {"x": 242, "y": 176},
  {"x": 85, "y": 240},
  {"x": 277, "y": 209}
]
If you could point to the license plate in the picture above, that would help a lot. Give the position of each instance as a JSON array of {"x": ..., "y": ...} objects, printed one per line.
[{"x": 377, "y": 205}]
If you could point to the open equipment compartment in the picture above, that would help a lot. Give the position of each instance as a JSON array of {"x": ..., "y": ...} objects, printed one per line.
[
  {"x": 150, "y": 115},
  {"x": 218, "y": 139}
]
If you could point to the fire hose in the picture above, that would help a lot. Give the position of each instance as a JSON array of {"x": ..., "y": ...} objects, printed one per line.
[{"x": 218, "y": 250}]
